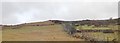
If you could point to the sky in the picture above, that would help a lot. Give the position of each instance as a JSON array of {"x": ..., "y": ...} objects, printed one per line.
[{"x": 24, "y": 11}]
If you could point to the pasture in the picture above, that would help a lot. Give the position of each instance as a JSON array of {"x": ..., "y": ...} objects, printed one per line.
[
  {"x": 101, "y": 35},
  {"x": 55, "y": 33},
  {"x": 37, "y": 33},
  {"x": 0, "y": 33}
]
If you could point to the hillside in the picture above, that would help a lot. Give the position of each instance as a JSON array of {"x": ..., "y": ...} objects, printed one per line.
[
  {"x": 39, "y": 32},
  {"x": 53, "y": 30},
  {"x": 97, "y": 23}
]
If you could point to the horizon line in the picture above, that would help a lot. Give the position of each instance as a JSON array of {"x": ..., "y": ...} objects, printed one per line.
[{"x": 60, "y": 20}]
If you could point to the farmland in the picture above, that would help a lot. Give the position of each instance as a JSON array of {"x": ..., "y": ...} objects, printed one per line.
[
  {"x": 100, "y": 35},
  {"x": 0, "y": 33},
  {"x": 55, "y": 31},
  {"x": 83, "y": 32},
  {"x": 37, "y": 33},
  {"x": 50, "y": 33}
]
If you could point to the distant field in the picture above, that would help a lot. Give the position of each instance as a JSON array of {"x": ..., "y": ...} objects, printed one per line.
[
  {"x": 85, "y": 27},
  {"x": 54, "y": 33},
  {"x": 37, "y": 33},
  {"x": 101, "y": 35}
]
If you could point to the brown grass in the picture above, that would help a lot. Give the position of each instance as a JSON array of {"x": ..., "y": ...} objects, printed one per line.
[{"x": 37, "y": 33}]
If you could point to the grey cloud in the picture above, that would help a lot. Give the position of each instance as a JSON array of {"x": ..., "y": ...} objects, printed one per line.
[
  {"x": 0, "y": 13},
  {"x": 21, "y": 12},
  {"x": 60, "y": 0}
]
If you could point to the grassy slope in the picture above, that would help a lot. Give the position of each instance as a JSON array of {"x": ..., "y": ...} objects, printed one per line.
[
  {"x": 112, "y": 27},
  {"x": 0, "y": 33},
  {"x": 101, "y": 35},
  {"x": 50, "y": 33},
  {"x": 37, "y": 33}
]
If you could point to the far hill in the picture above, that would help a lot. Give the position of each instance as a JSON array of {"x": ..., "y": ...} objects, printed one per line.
[
  {"x": 45, "y": 23},
  {"x": 81, "y": 22},
  {"x": 37, "y": 31},
  {"x": 93, "y": 22}
]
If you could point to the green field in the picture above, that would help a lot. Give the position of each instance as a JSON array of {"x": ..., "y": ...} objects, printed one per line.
[
  {"x": 101, "y": 35},
  {"x": 85, "y": 27}
]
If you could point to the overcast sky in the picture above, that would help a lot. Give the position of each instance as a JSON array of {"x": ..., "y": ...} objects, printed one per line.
[{"x": 22, "y": 11}]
